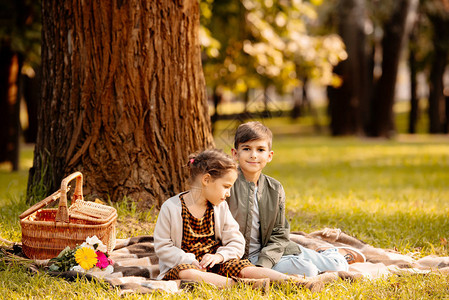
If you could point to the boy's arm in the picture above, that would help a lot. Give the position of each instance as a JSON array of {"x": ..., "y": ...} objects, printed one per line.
[
  {"x": 279, "y": 239},
  {"x": 164, "y": 246}
]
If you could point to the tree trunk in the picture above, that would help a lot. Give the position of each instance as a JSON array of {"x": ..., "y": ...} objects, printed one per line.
[
  {"x": 345, "y": 102},
  {"x": 413, "y": 65},
  {"x": 436, "y": 86},
  {"x": 446, "y": 124},
  {"x": 123, "y": 97},
  {"x": 245, "y": 101},
  {"x": 216, "y": 97},
  {"x": 10, "y": 66},
  {"x": 6, "y": 56},
  {"x": 266, "y": 112},
  {"x": 300, "y": 100},
  {"x": 370, "y": 80},
  {"x": 31, "y": 94},
  {"x": 436, "y": 96},
  {"x": 414, "y": 101},
  {"x": 395, "y": 32}
]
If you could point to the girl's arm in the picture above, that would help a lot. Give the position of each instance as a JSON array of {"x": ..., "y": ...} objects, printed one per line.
[
  {"x": 233, "y": 243},
  {"x": 164, "y": 245}
]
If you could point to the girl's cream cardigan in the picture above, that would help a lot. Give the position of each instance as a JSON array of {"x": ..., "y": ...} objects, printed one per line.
[{"x": 168, "y": 235}]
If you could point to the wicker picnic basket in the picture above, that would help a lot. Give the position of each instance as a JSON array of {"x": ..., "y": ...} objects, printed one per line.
[{"x": 47, "y": 231}]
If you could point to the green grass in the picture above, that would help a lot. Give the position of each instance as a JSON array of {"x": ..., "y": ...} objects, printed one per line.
[{"x": 391, "y": 194}]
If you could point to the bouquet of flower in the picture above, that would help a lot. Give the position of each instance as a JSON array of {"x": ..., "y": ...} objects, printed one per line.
[{"x": 89, "y": 256}]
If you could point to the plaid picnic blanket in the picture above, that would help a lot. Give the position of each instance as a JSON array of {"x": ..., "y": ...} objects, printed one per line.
[{"x": 136, "y": 264}]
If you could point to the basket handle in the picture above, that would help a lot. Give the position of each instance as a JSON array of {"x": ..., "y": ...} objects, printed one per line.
[
  {"x": 62, "y": 215},
  {"x": 53, "y": 197}
]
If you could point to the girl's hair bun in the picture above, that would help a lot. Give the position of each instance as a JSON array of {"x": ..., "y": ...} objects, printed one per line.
[{"x": 212, "y": 161}]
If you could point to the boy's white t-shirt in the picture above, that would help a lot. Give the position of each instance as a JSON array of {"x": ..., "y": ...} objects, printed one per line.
[{"x": 254, "y": 243}]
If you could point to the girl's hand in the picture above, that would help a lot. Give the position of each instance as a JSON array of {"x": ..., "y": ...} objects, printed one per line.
[
  {"x": 196, "y": 263},
  {"x": 210, "y": 260}
]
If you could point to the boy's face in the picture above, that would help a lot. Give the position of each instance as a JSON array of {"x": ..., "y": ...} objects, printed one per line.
[{"x": 253, "y": 156}]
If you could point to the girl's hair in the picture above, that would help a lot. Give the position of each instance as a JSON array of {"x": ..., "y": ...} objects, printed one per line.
[{"x": 213, "y": 161}]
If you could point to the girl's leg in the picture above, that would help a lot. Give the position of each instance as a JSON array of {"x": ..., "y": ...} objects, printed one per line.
[
  {"x": 258, "y": 272},
  {"x": 315, "y": 285},
  {"x": 208, "y": 277}
]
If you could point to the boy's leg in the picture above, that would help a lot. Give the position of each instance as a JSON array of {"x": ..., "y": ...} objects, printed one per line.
[
  {"x": 293, "y": 264},
  {"x": 296, "y": 264},
  {"x": 310, "y": 262},
  {"x": 327, "y": 260}
]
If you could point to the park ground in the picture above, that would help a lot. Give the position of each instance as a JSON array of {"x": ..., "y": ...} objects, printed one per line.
[{"x": 389, "y": 193}]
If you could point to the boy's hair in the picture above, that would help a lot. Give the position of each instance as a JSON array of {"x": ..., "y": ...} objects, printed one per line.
[
  {"x": 213, "y": 161},
  {"x": 251, "y": 131}
]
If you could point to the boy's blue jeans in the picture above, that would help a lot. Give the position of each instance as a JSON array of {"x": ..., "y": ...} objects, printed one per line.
[{"x": 309, "y": 262}]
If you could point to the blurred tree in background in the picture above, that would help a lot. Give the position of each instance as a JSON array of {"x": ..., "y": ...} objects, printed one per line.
[
  {"x": 397, "y": 20},
  {"x": 257, "y": 44},
  {"x": 377, "y": 35},
  {"x": 254, "y": 44},
  {"x": 20, "y": 32},
  {"x": 420, "y": 48},
  {"x": 438, "y": 14},
  {"x": 347, "y": 102},
  {"x": 374, "y": 33}
]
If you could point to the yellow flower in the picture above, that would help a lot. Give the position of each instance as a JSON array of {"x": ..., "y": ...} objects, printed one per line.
[{"x": 86, "y": 257}]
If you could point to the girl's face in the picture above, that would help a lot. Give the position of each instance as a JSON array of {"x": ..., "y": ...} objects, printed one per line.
[{"x": 217, "y": 190}]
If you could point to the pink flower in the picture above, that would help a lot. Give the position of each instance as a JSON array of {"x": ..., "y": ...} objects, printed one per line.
[{"x": 103, "y": 261}]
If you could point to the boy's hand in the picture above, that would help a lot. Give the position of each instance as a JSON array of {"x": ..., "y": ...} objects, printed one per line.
[{"x": 210, "y": 260}]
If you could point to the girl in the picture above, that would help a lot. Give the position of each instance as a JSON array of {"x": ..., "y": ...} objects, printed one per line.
[{"x": 196, "y": 237}]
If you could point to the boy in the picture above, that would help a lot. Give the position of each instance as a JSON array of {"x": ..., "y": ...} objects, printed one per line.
[{"x": 257, "y": 202}]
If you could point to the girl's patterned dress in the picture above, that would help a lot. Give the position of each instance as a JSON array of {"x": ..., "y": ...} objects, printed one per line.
[{"x": 199, "y": 239}]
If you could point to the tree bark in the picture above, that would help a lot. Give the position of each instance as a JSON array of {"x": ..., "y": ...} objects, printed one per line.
[
  {"x": 345, "y": 102},
  {"x": 396, "y": 31},
  {"x": 123, "y": 97}
]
